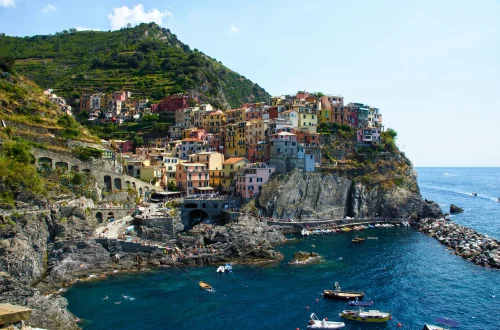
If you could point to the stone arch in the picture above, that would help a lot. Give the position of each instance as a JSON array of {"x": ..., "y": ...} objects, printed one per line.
[
  {"x": 75, "y": 168},
  {"x": 204, "y": 206},
  {"x": 86, "y": 170},
  {"x": 107, "y": 183},
  {"x": 111, "y": 216},
  {"x": 197, "y": 216},
  {"x": 117, "y": 183},
  {"x": 98, "y": 216},
  {"x": 140, "y": 191},
  {"x": 127, "y": 183},
  {"x": 45, "y": 162},
  {"x": 133, "y": 185},
  {"x": 62, "y": 165}
]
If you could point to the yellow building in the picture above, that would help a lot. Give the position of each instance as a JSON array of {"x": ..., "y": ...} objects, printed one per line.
[
  {"x": 229, "y": 168},
  {"x": 213, "y": 122},
  {"x": 216, "y": 178},
  {"x": 309, "y": 119},
  {"x": 324, "y": 116},
  {"x": 212, "y": 159},
  {"x": 153, "y": 175}
]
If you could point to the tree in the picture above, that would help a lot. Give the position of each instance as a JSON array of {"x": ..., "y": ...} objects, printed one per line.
[{"x": 7, "y": 63}]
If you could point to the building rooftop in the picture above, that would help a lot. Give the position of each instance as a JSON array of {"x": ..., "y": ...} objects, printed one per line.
[{"x": 233, "y": 160}]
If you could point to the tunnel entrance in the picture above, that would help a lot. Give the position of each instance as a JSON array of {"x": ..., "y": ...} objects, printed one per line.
[{"x": 197, "y": 216}]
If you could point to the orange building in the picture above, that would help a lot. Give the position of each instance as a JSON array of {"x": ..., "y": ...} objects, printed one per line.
[{"x": 193, "y": 178}]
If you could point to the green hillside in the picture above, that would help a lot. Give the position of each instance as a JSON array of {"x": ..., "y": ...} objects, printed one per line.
[{"x": 148, "y": 60}]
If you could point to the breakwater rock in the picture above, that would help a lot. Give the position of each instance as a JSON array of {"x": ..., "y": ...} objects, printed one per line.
[
  {"x": 455, "y": 209},
  {"x": 466, "y": 242},
  {"x": 302, "y": 257}
]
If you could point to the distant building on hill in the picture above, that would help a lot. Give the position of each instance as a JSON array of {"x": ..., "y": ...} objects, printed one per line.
[{"x": 175, "y": 102}]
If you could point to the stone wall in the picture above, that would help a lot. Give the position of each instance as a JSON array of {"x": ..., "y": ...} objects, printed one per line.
[
  {"x": 127, "y": 247},
  {"x": 286, "y": 164},
  {"x": 206, "y": 210}
]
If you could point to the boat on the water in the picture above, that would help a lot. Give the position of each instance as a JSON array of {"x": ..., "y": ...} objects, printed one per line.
[
  {"x": 360, "y": 303},
  {"x": 474, "y": 193},
  {"x": 432, "y": 327},
  {"x": 372, "y": 237},
  {"x": 205, "y": 286},
  {"x": 358, "y": 240},
  {"x": 304, "y": 232},
  {"x": 228, "y": 268},
  {"x": 316, "y": 323},
  {"x": 220, "y": 269},
  {"x": 337, "y": 293},
  {"x": 366, "y": 316}
]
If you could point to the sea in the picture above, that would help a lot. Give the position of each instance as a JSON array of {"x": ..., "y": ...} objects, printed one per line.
[{"x": 402, "y": 271}]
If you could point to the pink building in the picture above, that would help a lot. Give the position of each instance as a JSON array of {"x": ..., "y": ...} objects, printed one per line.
[
  {"x": 122, "y": 146},
  {"x": 369, "y": 135},
  {"x": 250, "y": 180},
  {"x": 120, "y": 96}
]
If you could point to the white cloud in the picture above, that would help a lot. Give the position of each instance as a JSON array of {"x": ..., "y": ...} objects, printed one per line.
[
  {"x": 49, "y": 7},
  {"x": 7, "y": 3},
  {"x": 124, "y": 15},
  {"x": 80, "y": 28},
  {"x": 234, "y": 29}
]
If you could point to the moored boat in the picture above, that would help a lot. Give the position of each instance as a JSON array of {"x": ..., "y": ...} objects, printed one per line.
[
  {"x": 205, "y": 286},
  {"x": 432, "y": 327},
  {"x": 359, "y": 240},
  {"x": 366, "y": 316},
  {"x": 316, "y": 323},
  {"x": 345, "y": 295},
  {"x": 220, "y": 269},
  {"x": 304, "y": 232},
  {"x": 228, "y": 268}
]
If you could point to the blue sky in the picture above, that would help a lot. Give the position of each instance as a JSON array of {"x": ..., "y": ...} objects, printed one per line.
[{"x": 432, "y": 67}]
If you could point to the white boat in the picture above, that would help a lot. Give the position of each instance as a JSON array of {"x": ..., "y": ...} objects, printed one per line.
[
  {"x": 316, "y": 323},
  {"x": 220, "y": 269},
  {"x": 304, "y": 232},
  {"x": 405, "y": 223}
]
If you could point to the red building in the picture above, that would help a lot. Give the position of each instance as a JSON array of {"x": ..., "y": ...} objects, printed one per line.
[
  {"x": 174, "y": 102},
  {"x": 273, "y": 112}
]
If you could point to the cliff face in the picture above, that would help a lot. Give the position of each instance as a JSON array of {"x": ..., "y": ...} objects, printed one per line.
[
  {"x": 306, "y": 196},
  {"x": 323, "y": 196}
]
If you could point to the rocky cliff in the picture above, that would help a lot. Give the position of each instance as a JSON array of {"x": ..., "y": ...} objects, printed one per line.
[{"x": 333, "y": 195}]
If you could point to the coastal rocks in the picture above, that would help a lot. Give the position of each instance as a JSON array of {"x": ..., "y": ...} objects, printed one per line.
[
  {"x": 430, "y": 209},
  {"x": 302, "y": 257},
  {"x": 466, "y": 242},
  {"x": 48, "y": 312},
  {"x": 455, "y": 209}
]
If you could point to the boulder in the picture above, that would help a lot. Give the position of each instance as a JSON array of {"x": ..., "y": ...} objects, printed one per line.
[{"x": 455, "y": 209}]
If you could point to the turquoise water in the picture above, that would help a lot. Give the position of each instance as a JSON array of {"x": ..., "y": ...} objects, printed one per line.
[{"x": 405, "y": 272}]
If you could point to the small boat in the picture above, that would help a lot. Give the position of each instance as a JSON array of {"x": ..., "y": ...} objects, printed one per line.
[
  {"x": 360, "y": 303},
  {"x": 405, "y": 224},
  {"x": 220, "y": 269},
  {"x": 304, "y": 232},
  {"x": 359, "y": 240},
  {"x": 474, "y": 193},
  {"x": 371, "y": 226},
  {"x": 372, "y": 237},
  {"x": 206, "y": 287},
  {"x": 432, "y": 327},
  {"x": 345, "y": 295},
  {"x": 316, "y": 323},
  {"x": 366, "y": 316},
  {"x": 228, "y": 268}
]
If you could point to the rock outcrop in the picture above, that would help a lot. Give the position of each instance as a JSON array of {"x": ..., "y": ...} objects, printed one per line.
[
  {"x": 302, "y": 257},
  {"x": 455, "y": 209},
  {"x": 466, "y": 242},
  {"x": 310, "y": 196}
]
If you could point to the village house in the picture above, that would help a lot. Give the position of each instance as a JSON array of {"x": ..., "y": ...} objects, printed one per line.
[
  {"x": 249, "y": 181},
  {"x": 193, "y": 178},
  {"x": 228, "y": 171},
  {"x": 211, "y": 159}
]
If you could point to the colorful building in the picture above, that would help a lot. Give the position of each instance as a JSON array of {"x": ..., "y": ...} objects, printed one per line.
[
  {"x": 229, "y": 168},
  {"x": 211, "y": 159},
  {"x": 193, "y": 178},
  {"x": 250, "y": 180}
]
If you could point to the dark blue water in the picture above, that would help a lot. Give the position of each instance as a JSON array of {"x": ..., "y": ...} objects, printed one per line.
[{"x": 405, "y": 272}]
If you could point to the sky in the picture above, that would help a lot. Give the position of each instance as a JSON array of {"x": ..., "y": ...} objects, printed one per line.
[{"x": 431, "y": 67}]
